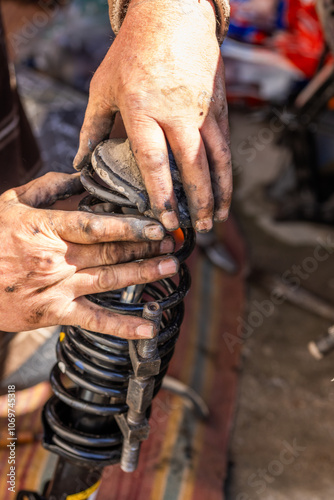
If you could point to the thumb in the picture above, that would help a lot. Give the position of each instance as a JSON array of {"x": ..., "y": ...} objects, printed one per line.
[
  {"x": 97, "y": 125},
  {"x": 45, "y": 191}
]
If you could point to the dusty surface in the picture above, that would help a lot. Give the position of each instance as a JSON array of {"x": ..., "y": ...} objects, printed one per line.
[{"x": 286, "y": 397}]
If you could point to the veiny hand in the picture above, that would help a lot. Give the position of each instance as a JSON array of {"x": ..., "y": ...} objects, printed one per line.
[
  {"x": 165, "y": 74},
  {"x": 50, "y": 259}
]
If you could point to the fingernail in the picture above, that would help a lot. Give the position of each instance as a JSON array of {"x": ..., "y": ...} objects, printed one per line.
[
  {"x": 76, "y": 161},
  {"x": 145, "y": 331},
  {"x": 168, "y": 266},
  {"x": 203, "y": 225},
  {"x": 170, "y": 220},
  {"x": 221, "y": 215},
  {"x": 79, "y": 161},
  {"x": 154, "y": 232},
  {"x": 167, "y": 245}
]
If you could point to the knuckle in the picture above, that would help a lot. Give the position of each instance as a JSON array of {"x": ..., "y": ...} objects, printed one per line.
[
  {"x": 147, "y": 270},
  {"x": 201, "y": 198},
  {"x": 64, "y": 315},
  {"x": 205, "y": 210},
  {"x": 102, "y": 320},
  {"x": 136, "y": 100},
  {"x": 227, "y": 200},
  {"x": 107, "y": 278},
  {"x": 9, "y": 195},
  {"x": 109, "y": 253},
  {"x": 10, "y": 200},
  {"x": 44, "y": 262},
  {"x": 155, "y": 156},
  {"x": 132, "y": 252},
  {"x": 90, "y": 317},
  {"x": 97, "y": 318},
  {"x": 224, "y": 198},
  {"x": 192, "y": 154},
  {"x": 51, "y": 178},
  {"x": 123, "y": 329},
  {"x": 92, "y": 228}
]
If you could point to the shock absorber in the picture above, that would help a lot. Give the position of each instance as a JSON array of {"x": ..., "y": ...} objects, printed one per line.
[{"x": 103, "y": 385}]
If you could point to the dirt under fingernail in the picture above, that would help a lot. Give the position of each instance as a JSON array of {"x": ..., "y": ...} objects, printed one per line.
[
  {"x": 154, "y": 232},
  {"x": 168, "y": 267},
  {"x": 203, "y": 225},
  {"x": 221, "y": 215},
  {"x": 170, "y": 220}
]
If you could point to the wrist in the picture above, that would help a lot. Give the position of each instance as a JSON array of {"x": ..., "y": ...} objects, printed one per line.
[{"x": 216, "y": 10}]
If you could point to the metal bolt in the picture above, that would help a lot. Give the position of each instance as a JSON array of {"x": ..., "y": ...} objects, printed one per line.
[
  {"x": 134, "y": 417},
  {"x": 153, "y": 312},
  {"x": 130, "y": 456}
]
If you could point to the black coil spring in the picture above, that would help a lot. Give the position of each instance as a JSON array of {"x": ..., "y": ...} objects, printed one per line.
[{"x": 79, "y": 419}]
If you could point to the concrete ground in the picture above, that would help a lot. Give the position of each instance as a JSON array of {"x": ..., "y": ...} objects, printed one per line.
[{"x": 282, "y": 443}]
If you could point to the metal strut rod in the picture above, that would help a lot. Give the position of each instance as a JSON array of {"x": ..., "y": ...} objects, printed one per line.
[{"x": 103, "y": 385}]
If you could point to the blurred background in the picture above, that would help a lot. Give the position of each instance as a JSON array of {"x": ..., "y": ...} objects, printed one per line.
[{"x": 280, "y": 87}]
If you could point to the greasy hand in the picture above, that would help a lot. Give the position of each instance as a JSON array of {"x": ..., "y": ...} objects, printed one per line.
[
  {"x": 165, "y": 74},
  {"x": 50, "y": 259}
]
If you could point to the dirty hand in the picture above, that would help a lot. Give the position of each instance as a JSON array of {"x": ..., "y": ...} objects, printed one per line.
[
  {"x": 50, "y": 259},
  {"x": 165, "y": 75}
]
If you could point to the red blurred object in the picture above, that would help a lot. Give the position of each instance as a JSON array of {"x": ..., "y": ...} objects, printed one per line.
[
  {"x": 301, "y": 38},
  {"x": 291, "y": 28}
]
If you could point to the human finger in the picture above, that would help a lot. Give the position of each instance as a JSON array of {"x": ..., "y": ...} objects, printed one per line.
[
  {"x": 104, "y": 254},
  {"x": 87, "y": 228},
  {"x": 92, "y": 317},
  {"x": 190, "y": 155},
  {"x": 46, "y": 190},
  {"x": 148, "y": 144},
  {"x": 98, "y": 121},
  {"x": 105, "y": 278},
  {"x": 219, "y": 154}
]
